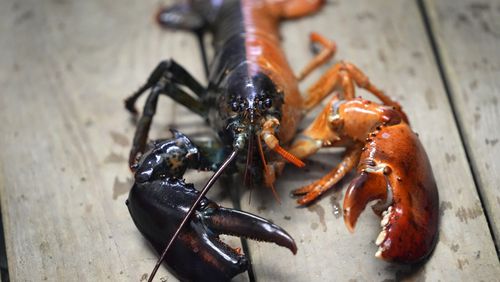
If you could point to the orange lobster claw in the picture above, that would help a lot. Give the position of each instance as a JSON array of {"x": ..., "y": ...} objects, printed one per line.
[{"x": 397, "y": 172}]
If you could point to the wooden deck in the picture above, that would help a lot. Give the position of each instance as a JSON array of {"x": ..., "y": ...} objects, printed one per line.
[{"x": 67, "y": 65}]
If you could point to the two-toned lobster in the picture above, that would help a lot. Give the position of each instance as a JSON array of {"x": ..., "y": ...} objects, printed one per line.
[{"x": 253, "y": 103}]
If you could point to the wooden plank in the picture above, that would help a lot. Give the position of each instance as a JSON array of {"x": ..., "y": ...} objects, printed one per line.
[
  {"x": 468, "y": 36},
  {"x": 66, "y": 68},
  {"x": 387, "y": 39}
]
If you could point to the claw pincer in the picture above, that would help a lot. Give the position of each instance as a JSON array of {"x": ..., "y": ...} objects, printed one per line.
[
  {"x": 392, "y": 168},
  {"x": 395, "y": 170},
  {"x": 160, "y": 199}
]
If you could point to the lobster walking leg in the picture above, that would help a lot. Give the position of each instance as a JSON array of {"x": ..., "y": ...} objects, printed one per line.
[
  {"x": 341, "y": 75},
  {"x": 320, "y": 186},
  {"x": 363, "y": 81},
  {"x": 322, "y": 134},
  {"x": 329, "y": 48},
  {"x": 171, "y": 71},
  {"x": 163, "y": 80}
]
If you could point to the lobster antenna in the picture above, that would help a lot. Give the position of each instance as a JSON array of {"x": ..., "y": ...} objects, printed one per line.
[{"x": 203, "y": 192}]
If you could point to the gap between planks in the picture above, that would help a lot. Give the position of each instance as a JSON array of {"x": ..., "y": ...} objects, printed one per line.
[{"x": 424, "y": 11}]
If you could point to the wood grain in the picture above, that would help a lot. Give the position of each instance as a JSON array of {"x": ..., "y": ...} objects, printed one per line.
[
  {"x": 65, "y": 68},
  {"x": 468, "y": 36}
]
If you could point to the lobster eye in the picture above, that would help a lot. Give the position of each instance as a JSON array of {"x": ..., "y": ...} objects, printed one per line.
[
  {"x": 268, "y": 103},
  {"x": 235, "y": 106}
]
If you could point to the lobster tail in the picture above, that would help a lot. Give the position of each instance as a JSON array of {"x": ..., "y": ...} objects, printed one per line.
[{"x": 395, "y": 170}]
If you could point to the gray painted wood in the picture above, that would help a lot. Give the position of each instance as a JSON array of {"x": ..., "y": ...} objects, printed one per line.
[
  {"x": 67, "y": 65},
  {"x": 468, "y": 37}
]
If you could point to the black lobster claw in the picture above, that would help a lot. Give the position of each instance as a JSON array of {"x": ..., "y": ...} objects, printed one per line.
[
  {"x": 157, "y": 208},
  {"x": 167, "y": 158}
]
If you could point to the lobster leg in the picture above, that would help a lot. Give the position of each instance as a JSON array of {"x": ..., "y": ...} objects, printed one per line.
[
  {"x": 318, "y": 187},
  {"x": 364, "y": 82},
  {"x": 166, "y": 70},
  {"x": 162, "y": 81},
  {"x": 317, "y": 134},
  {"x": 325, "y": 85},
  {"x": 144, "y": 124},
  {"x": 320, "y": 134},
  {"x": 342, "y": 75},
  {"x": 329, "y": 48}
]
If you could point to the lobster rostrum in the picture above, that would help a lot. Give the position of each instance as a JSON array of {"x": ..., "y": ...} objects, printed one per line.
[{"x": 253, "y": 103}]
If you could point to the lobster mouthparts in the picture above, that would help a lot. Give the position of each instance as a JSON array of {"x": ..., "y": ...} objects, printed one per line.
[
  {"x": 397, "y": 172},
  {"x": 157, "y": 208}
]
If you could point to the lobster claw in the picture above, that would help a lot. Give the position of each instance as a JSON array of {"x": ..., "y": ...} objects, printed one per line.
[
  {"x": 198, "y": 254},
  {"x": 396, "y": 171}
]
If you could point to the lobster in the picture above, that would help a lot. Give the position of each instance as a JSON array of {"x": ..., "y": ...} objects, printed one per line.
[{"x": 253, "y": 103}]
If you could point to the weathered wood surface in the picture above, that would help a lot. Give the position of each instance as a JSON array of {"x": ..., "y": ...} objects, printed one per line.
[
  {"x": 468, "y": 36},
  {"x": 67, "y": 65}
]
